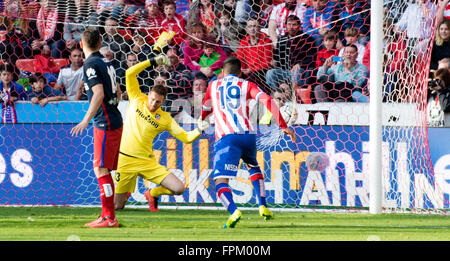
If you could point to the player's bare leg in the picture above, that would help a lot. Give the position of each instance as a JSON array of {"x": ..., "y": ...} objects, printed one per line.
[
  {"x": 170, "y": 185},
  {"x": 120, "y": 199}
]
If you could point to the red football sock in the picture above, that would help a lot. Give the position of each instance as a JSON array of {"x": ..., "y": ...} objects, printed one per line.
[{"x": 106, "y": 184}]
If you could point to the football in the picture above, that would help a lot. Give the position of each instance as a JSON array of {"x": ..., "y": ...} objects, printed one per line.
[
  {"x": 317, "y": 161},
  {"x": 289, "y": 113}
]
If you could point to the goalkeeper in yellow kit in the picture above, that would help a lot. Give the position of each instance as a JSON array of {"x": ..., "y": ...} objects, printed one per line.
[{"x": 144, "y": 121}]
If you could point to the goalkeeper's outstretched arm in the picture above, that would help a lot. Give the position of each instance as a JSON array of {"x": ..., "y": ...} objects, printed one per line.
[
  {"x": 131, "y": 81},
  {"x": 182, "y": 135}
]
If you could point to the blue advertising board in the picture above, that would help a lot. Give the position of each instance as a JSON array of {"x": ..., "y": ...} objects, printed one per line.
[{"x": 42, "y": 164}]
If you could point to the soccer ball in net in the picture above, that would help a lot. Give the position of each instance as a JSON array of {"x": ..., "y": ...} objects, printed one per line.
[
  {"x": 317, "y": 161},
  {"x": 289, "y": 113}
]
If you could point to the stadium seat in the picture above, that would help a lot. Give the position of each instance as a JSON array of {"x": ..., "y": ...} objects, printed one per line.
[
  {"x": 303, "y": 95},
  {"x": 29, "y": 65}
]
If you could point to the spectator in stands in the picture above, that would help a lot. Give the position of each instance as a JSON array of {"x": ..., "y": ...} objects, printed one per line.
[
  {"x": 416, "y": 25},
  {"x": 125, "y": 8},
  {"x": 115, "y": 41},
  {"x": 394, "y": 61},
  {"x": 199, "y": 85},
  {"x": 149, "y": 22},
  {"x": 178, "y": 80},
  {"x": 43, "y": 93},
  {"x": 141, "y": 48},
  {"x": 366, "y": 57},
  {"x": 228, "y": 32},
  {"x": 210, "y": 56},
  {"x": 256, "y": 54},
  {"x": 242, "y": 10},
  {"x": 143, "y": 77},
  {"x": 193, "y": 50},
  {"x": 70, "y": 77},
  {"x": 43, "y": 63},
  {"x": 342, "y": 82},
  {"x": 50, "y": 27},
  {"x": 20, "y": 35},
  {"x": 265, "y": 8},
  {"x": 444, "y": 64},
  {"x": 319, "y": 19},
  {"x": 329, "y": 49},
  {"x": 439, "y": 102},
  {"x": 294, "y": 56},
  {"x": 203, "y": 11},
  {"x": 355, "y": 14},
  {"x": 105, "y": 8},
  {"x": 161, "y": 77},
  {"x": 173, "y": 22},
  {"x": 444, "y": 11},
  {"x": 180, "y": 76},
  {"x": 76, "y": 22},
  {"x": 351, "y": 38},
  {"x": 108, "y": 54},
  {"x": 278, "y": 16},
  {"x": 10, "y": 92},
  {"x": 7, "y": 84},
  {"x": 394, "y": 9},
  {"x": 441, "y": 47},
  {"x": 192, "y": 47}
]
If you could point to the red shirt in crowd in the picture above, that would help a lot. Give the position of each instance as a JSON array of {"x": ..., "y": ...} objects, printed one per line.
[{"x": 256, "y": 56}]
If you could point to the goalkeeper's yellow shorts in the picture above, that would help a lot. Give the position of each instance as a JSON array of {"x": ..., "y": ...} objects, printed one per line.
[{"x": 130, "y": 168}]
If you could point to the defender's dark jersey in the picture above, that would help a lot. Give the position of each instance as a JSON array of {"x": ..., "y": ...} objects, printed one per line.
[{"x": 98, "y": 70}]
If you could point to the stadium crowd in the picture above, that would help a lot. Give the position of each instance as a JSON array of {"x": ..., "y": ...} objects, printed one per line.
[{"x": 320, "y": 48}]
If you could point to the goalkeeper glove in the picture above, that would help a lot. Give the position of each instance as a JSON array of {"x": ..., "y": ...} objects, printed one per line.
[
  {"x": 163, "y": 40},
  {"x": 160, "y": 59},
  {"x": 202, "y": 125}
]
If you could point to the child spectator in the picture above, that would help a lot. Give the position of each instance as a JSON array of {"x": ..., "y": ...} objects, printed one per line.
[
  {"x": 210, "y": 57},
  {"x": 351, "y": 38},
  {"x": 43, "y": 93},
  {"x": 329, "y": 42},
  {"x": 193, "y": 49},
  {"x": 173, "y": 22},
  {"x": 355, "y": 14},
  {"x": 10, "y": 92}
]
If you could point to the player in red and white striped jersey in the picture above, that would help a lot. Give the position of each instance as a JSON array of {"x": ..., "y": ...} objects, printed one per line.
[{"x": 228, "y": 99}]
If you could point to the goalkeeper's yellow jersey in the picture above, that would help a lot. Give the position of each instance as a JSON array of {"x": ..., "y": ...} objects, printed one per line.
[{"x": 142, "y": 126}]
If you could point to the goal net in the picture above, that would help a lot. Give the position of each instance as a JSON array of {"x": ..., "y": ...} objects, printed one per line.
[{"x": 312, "y": 57}]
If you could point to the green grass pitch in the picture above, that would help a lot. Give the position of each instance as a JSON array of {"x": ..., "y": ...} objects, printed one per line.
[{"x": 137, "y": 224}]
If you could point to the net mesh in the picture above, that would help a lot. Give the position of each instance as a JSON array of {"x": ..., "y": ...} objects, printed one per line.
[{"x": 312, "y": 57}]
